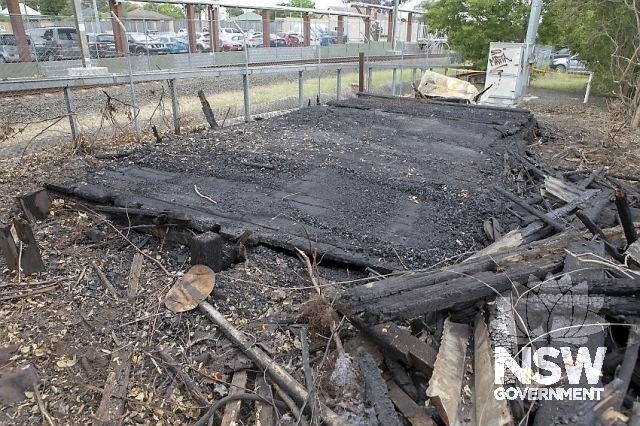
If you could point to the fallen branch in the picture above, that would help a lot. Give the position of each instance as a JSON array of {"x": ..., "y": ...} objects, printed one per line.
[
  {"x": 292, "y": 405},
  {"x": 278, "y": 373},
  {"x": 239, "y": 396},
  {"x": 191, "y": 386},
  {"x": 43, "y": 410},
  {"x": 195, "y": 188},
  {"x": 28, "y": 294},
  {"x": 105, "y": 280}
]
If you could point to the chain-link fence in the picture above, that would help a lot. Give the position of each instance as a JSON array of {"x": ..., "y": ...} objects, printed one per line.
[{"x": 160, "y": 83}]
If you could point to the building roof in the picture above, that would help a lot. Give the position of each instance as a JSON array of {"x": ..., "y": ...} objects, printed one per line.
[
  {"x": 24, "y": 10},
  {"x": 247, "y": 16},
  {"x": 148, "y": 15}
]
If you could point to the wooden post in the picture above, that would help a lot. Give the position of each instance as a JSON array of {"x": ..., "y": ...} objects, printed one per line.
[
  {"x": 206, "y": 109},
  {"x": 191, "y": 28},
  {"x": 266, "y": 28},
  {"x": 361, "y": 72},
  {"x": 35, "y": 206},
  {"x": 73, "y": 122},
  {"x": 306, "y": 24},
  {"x": 24, "y": 253},
  {"x": 409, "y": 26},
  {"x": 174, "y": 106},
  {"x": 118, "y": 33},
  {"x": 390, "y": 26},
  {"x": 214, "y": 29},
  {"x": 18, "y": 29},
  {"x": 300, "y": 90},
  {"x": 340, "y": 29}
]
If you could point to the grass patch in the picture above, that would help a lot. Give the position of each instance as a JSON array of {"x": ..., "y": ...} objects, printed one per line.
[{"x": 560, "y": 81}]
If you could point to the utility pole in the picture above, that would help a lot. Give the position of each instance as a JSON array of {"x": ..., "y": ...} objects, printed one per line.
[
  {"x": 96, "y": 17},
  {"x": 395, "y": 24},
  {"x": 530, "y": 39},
  {"x": 80, "y": 28}
]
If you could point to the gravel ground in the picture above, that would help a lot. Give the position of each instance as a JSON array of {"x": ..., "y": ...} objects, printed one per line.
[{"x": 33, "y": 121}]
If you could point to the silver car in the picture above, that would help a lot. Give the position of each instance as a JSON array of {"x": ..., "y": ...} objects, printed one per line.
[
  {"x": 568, "y": 63},
  {"x": 8, "y": 48}
]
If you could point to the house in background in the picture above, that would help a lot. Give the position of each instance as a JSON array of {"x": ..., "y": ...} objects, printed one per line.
[
  {"x": 148, "y": 22},
  {"x": 24, "y": 10}
]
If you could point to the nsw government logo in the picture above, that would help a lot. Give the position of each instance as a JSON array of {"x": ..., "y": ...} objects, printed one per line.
[{"x": 560, "y": 337}]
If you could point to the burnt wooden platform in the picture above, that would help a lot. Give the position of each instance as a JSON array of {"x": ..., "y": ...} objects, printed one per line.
[{"x": 375, "y": 183}]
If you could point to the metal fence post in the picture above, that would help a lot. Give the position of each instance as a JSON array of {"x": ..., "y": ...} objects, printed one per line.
[
  {"x": 247, "y": 102},
  {"x": 393, "y": 82},
  {"x": 339, "y": 89},
  {"x": 300, "y": 90},
  {"x": 369, "y": 79},
  {"x": 73, "y": 122},
  {"x": 174, "y": 106}
]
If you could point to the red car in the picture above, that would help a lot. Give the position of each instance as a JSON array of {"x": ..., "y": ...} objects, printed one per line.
[{"x": 230, "y": 46}]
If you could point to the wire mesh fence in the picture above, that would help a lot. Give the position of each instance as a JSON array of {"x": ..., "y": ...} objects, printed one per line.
[{"x": 153, "y": 84}]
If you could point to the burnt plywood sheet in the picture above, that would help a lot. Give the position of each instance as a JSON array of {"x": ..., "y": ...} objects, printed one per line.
[{"x": 388, "y": 184}]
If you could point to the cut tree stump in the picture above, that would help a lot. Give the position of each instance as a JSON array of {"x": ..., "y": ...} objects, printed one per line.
[{"x": 35, "y": 206}]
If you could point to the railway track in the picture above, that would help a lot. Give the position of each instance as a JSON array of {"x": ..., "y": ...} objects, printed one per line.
[{"x": 30, "y": 86}]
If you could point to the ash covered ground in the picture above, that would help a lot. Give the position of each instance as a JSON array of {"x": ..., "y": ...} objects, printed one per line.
[{"x": 386, "y": 183}]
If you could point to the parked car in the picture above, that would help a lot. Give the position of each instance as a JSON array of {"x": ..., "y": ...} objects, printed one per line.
[
  {"x": 102, "y": 45},
  {"x": 277, "y": 41},
  {"x": 332, "y": 37},
  {"x": 55, "y": 43},
  {"x": 8, "y": 48},
  {"x": 254, "y": 40},
  {"x": 561, "y": 52},
  {"x": 567, "y": 63},
  {"x": 230, "y": 45},
  {"x": 175, "y": 44},
  {"x": 142, "y": 44},
  {"x": 226, "y": 33},
  {"x": 203, "y": 42},
  {"x": 293, "y": 39}
]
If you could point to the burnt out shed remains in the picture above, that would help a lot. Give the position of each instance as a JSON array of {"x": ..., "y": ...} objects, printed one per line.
[{"x": 386, "y": 184}]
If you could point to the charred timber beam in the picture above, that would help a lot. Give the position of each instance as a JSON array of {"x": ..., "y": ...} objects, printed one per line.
[
  {"x": 456, "y": 292},
  {"x": 543, "y": 217},
  {"x": 625, "y": 217},
  {"x": 413, "y": 280}
]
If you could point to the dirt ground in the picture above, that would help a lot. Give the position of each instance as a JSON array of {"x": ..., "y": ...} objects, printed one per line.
[{"x": 74, "y": 332}]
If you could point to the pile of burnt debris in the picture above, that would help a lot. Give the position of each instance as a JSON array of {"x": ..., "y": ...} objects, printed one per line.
[{"x": 540, "y": 327}]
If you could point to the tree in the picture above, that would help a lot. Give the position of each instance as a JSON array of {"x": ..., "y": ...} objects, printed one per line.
[
  {"x": 234, "y": 11},
  {"x": 53, "y": 7},
  {"x": 607, "y": 38},
  {"x": 470, "y": 25},
  {"x": 307, "y": 4},
  {"x": 31, "y": 3},
  {"x": 171, "y": 10}
]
